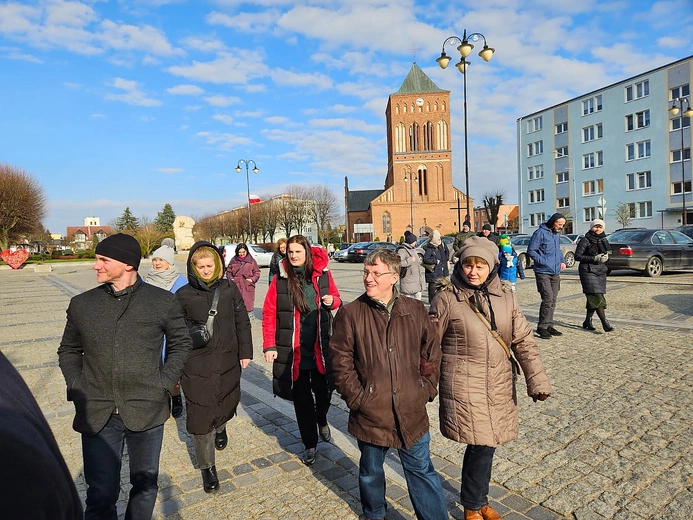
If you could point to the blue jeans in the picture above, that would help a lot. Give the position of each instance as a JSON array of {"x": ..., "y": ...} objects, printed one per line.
[
  {"x": 423, "y": 483},
  {"x": 103, "y": 454},
  {"x": 476, "y": 476}
]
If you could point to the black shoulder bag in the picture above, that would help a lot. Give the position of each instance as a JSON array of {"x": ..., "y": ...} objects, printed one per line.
[{"x": 201, "y": 334}]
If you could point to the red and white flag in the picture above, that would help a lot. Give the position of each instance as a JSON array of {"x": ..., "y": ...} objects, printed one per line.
[{"x": 253, "y": 199}]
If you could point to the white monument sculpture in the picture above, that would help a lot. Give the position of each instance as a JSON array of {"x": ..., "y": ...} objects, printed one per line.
[{"x": 182, "y": 230}]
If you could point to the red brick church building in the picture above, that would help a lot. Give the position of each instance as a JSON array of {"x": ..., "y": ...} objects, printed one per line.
[{"x": 418, "y": 193}]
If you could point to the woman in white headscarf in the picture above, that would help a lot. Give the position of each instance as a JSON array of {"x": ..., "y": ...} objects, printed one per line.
[{"x": 165, "y": 274}]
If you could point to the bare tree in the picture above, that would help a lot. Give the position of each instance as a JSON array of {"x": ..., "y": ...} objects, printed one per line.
[
  {"x": 268, "y": 213},
  {"x": 301, "y": 206},
  {"x": 324, "y": 210},
  {"x": 623, "y": 214},
  {"x": 22, "y": 203},
  {"x": 149, "y": 235},
  {"x": 285, "y": 215},
  {"x": 492, "y": 204}
]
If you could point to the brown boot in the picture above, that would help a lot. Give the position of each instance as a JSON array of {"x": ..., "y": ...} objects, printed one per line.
[
  {"x": 472, "y": 514},
  {"x": 488, "y": 513}
]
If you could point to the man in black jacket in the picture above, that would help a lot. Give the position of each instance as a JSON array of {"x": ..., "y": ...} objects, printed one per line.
[{"x": 110, "y": 356}]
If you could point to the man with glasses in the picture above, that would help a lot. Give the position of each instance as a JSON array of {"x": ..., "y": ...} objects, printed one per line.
[{"x": 386, "y": 365}]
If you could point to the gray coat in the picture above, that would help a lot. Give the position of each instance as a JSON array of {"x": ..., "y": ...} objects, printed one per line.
[
  {"x": 413, "y": 281},
  {"x": 110, "y": 355}
]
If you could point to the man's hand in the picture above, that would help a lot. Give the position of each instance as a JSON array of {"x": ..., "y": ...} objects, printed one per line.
[
  {"x": 562, "y": 266},
  {"x": 244, "y": 363},
  {"x": 540, "y": 397},
  {"x": 327, "y": 300},
  {"x": 270, "y": 356}
]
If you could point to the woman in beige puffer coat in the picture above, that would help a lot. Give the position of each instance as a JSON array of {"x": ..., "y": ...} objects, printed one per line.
[{"x": 478, "y": 405}]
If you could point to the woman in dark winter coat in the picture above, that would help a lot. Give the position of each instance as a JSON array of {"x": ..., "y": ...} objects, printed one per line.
[
  {"x": 212, "y": 376},
  {"x": 277, "y": 257},
  {"x": 296, "y": 322},
  {"x": 593, "y": 252},
  {"x": 245, "y": 273},
  {"x": 436, "y": 256}
]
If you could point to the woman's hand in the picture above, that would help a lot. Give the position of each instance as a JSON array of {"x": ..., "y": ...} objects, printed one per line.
[
  {"x": 270, "y": 356},
  {"x": 327, "y": 300},
  {"x": 244, "y": 363}
]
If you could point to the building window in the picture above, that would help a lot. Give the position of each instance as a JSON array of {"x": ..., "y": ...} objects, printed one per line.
[
  {"x": 589, "y": 214},
  {"x": 535, "y": 124},
  {"x": 536, "y": 196},
  {"x": 535, "y": 148},
  {"x": 400, "y": 138},
  {"x": 535, "y": 219},
  {"x": 676, "y": 187},
  {"x": 629, "y": 93},
  {"x": 639, "y": 150},
  {"x": 593, "y": 187},
  {"x": 562, "y": 177},
  {"x": 414, "y": 144},
  {"x": 643, "y": 209},
  {"x": 590, "y": 133},
  {"x": 563, "y": 203},
  {"x": 387, "y": 228},
  {"x": 561, "y": 152},
  {"x": 592, "y": 105},
  {"x": 428, "y": 136},
  {"x": 592, "y": 160},
  {"x": 639, "y": 181},
  {"x": 643, "y": 119},
  {"x": 676, "y": 155},
  {"x": 630, "y": 125},
  {"x": 535, "y": 172},
  {"x": 679, "y": 92},
  {"x": 561, "y": 128},
  {"x": 676, "y": 123},
  {"x": 442, "y": 135},
  {"x": 640, "y": 90}
]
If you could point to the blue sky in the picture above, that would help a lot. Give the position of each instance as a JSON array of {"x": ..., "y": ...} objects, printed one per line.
[{"x": 145, "y": 102}]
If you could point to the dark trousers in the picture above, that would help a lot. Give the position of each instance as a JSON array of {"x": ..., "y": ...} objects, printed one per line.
[
  {"x": 548, "y": 286},
  {"x": 103, "y": 454},
  {"x": 311, "y": 412},
  {"x": 476, "y": 476},
  {"x": 432, "y": 291}
]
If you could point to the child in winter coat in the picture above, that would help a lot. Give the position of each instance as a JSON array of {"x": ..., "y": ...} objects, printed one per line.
[{"x": 509, "y": 268}]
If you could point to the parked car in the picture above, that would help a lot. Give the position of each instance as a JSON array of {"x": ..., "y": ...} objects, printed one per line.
[
  {"x": 341, "y": 254},
  {"x": 421, "y": 242},
  {"x": 261, "y": 256},
  {"x": 575, "y": 237},
  {"x": 341, "y": 247},
  {"x": 359, "y": 252},
  {"x": 686, "y": 230},
  {"x": 521, "y": 242},
  {"x": 652, "y": 251}
]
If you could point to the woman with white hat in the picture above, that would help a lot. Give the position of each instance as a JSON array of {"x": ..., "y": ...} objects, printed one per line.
[
  {"x": 165, "y": 275},
  {"x": 593, "y": 252}
]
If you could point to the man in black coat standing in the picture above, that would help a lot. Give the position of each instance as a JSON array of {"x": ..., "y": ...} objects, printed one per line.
[{"x": 110, "y": 356}]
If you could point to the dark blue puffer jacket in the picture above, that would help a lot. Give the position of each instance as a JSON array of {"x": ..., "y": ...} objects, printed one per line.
[{"x": 545, "y": 250}]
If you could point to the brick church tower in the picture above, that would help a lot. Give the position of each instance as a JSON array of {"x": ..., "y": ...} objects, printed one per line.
[{"x": 418, "y": 193}]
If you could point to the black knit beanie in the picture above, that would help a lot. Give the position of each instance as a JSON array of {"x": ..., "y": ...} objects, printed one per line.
[{"x": 121, "y": 247}]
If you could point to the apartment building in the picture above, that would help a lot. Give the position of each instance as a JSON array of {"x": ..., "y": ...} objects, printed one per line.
[{"x": 618, "y": 145}]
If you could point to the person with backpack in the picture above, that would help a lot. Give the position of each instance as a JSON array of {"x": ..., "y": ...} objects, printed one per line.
[{"x": 411, "y": 274}]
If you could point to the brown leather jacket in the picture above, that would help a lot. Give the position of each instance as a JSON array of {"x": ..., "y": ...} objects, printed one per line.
[
  {"x": 476, "y": 390},
  {"x": 386, "y": 369}
]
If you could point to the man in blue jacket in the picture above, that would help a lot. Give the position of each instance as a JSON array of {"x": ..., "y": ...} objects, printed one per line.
[
  {"x": 110, "y": 356},
  {"x": 545, "y": 251}
]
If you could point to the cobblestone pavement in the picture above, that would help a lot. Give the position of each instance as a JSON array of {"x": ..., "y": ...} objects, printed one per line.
[{"x": 614, "y": 441}]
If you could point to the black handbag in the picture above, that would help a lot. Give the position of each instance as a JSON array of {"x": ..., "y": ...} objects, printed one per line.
[{"x": 202, "y": 334}]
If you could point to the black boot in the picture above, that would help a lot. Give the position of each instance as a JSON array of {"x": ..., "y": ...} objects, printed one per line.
[
  {"x": 176, "y": 406},
  {"x": 587, "y": 324},
  {"x": 210, "y": 481},
  {"x": 602, "y": 317}
]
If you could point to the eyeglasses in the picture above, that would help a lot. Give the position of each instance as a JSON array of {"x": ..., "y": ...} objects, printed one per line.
[{"x": 375, "y": 275}]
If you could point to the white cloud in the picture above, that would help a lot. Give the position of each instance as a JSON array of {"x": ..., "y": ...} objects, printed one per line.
[
  {"x": 183, "y": 127},
  {"x": 223, "y": 118},
  {"x": 237, "y": 67},
  {"x": 348, "y": 125},
  {"x": 221, "y": 101},
  {"x": 132, "y": 37},
  {"x": 203, "y": 44},
  {"x": 14, "y": 53},
  {"x": 185, "y": 90},
  {"x": 170, "y": 170},
  {"x": 133, "y": 95},
  {"x": 261, "y": 21},
  {"x": 286, "y": 78},
  {"x": 223, "y": 140},
  {"x": 277, "y": 120},
  {"x": 256, "y": 113},
  {"x": 97, "y": 116}
]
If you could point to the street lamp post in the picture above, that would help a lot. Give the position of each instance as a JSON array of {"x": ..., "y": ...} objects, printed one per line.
[
  {"x": 411, "y": 180},
  {"x": 676, "y": 107},
  {"x": 247, "y": 182},
  {"x": 465, "y": 48}
]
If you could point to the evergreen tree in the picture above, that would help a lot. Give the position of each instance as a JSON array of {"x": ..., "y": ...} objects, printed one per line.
[
  {"x": 164, "y": 219},
  {"x": 127, "y": 221}
]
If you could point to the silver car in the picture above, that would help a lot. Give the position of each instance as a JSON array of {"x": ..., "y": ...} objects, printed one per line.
[
  {"x": 261, "y": 256},
  {"x": 520, "y": 243}
]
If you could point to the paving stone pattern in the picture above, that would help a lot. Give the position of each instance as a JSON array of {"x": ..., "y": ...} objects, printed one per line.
[{"x": 613, "y": 442}]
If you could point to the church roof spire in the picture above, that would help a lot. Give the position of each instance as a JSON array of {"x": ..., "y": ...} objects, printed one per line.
[{"x": 417, "y": 82}]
